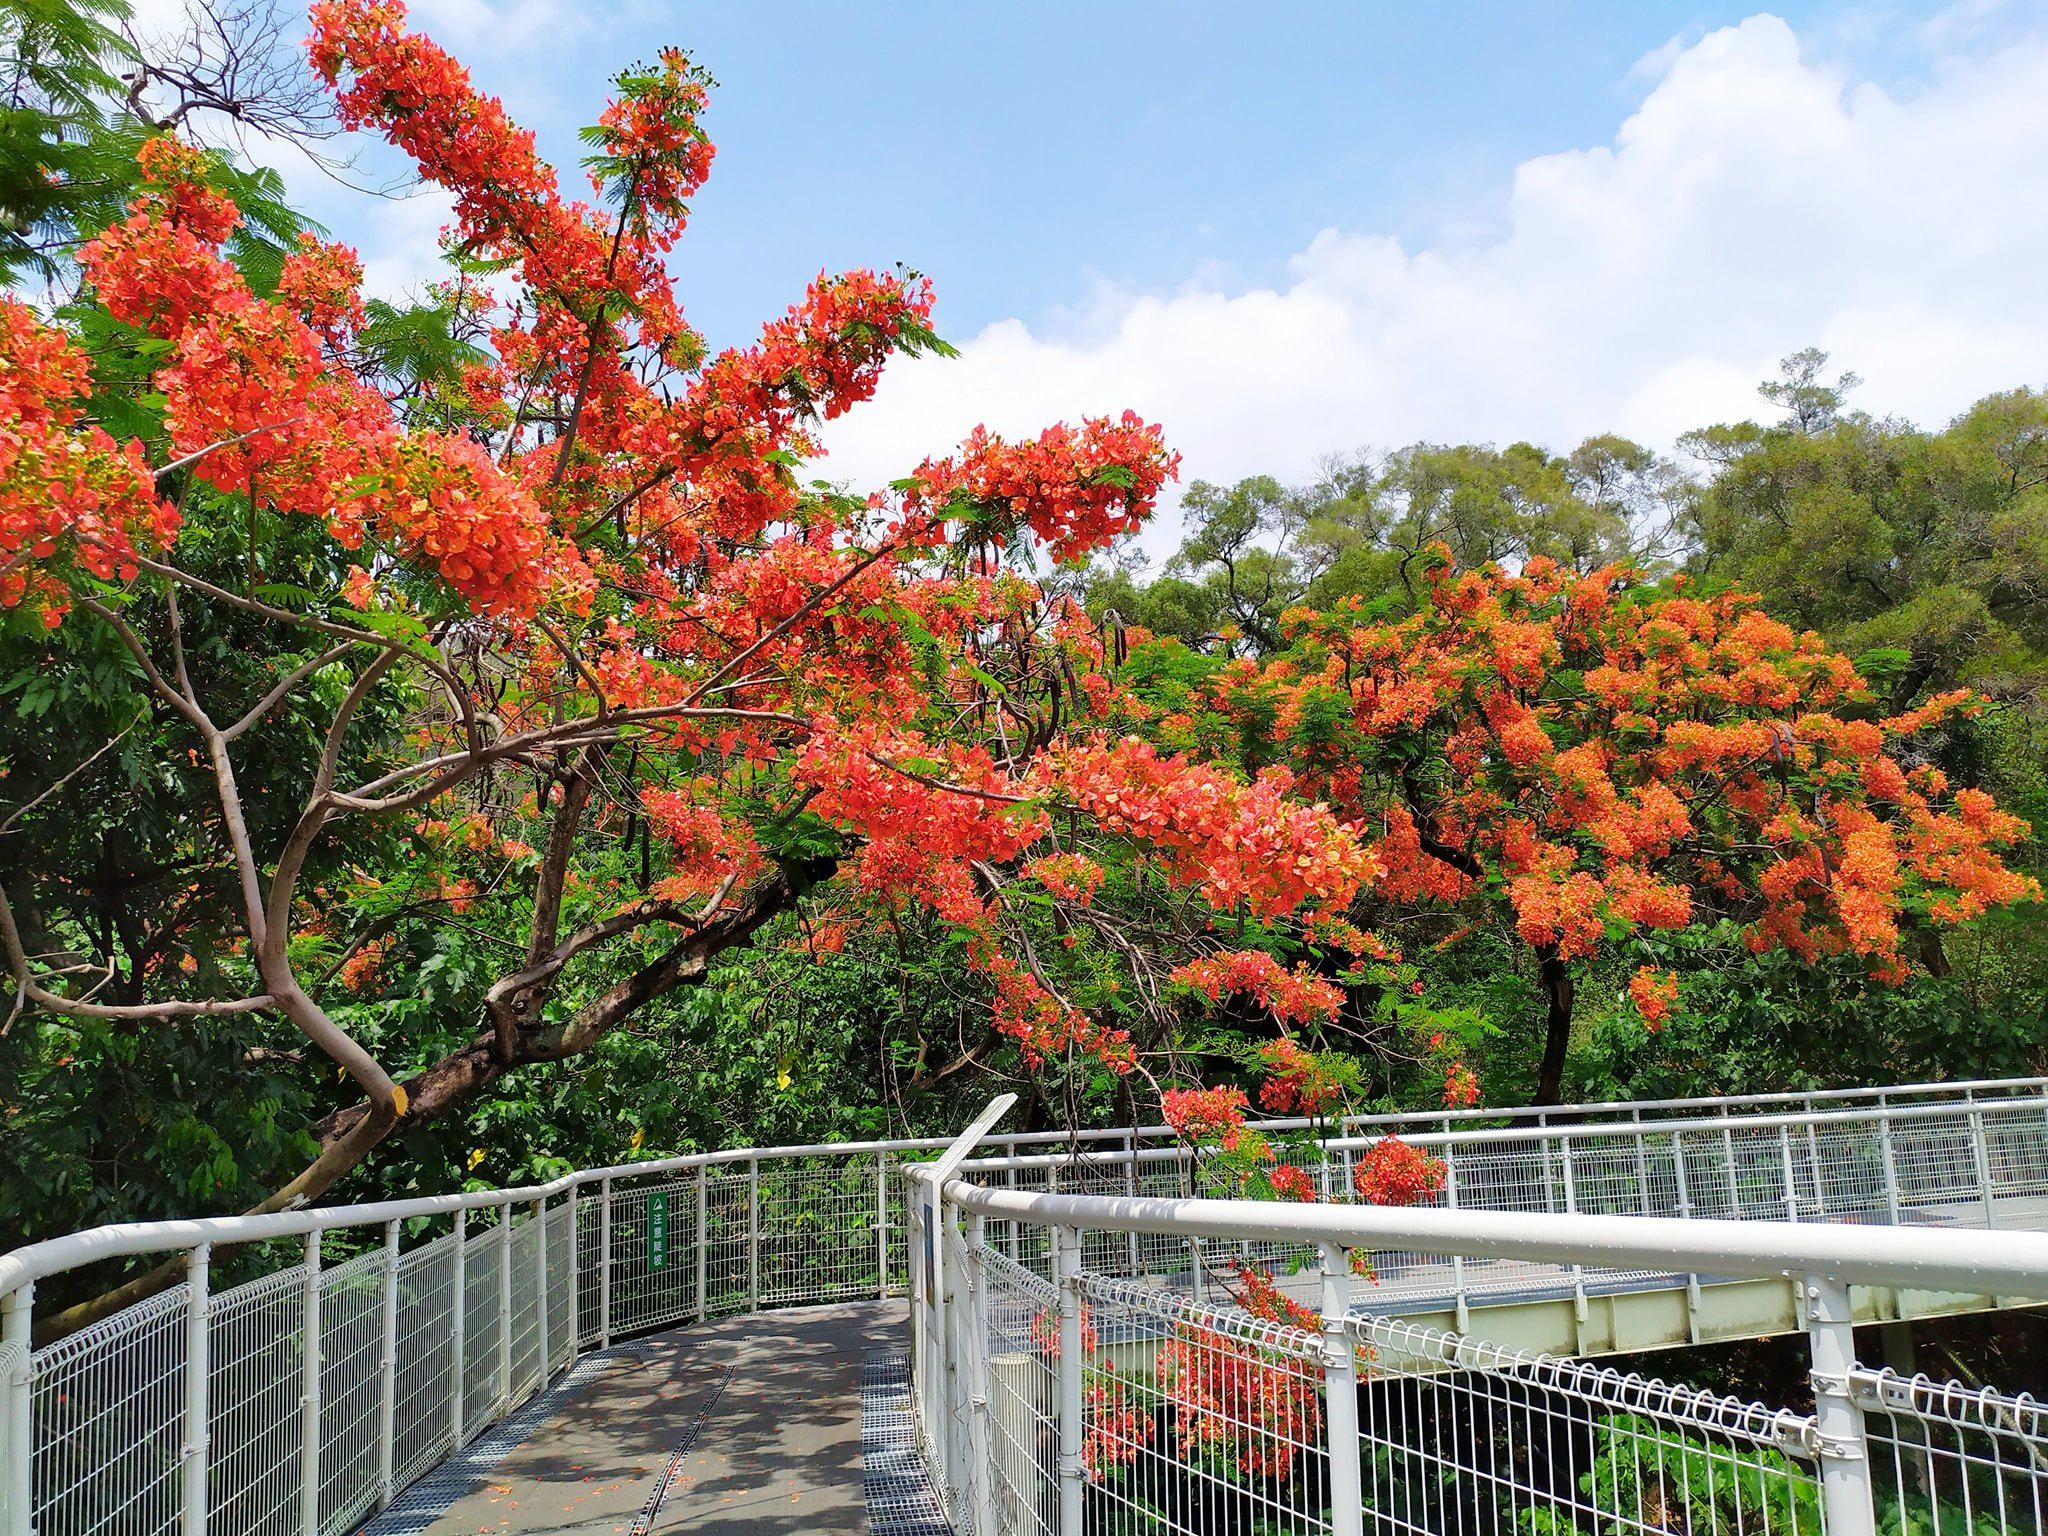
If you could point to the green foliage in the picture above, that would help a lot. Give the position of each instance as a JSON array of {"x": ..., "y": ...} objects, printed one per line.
[{"x": 1647, "y": 1474}]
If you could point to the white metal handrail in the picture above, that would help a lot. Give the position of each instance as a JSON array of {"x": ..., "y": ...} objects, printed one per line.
[
  {"x": 309, "y": 1394},
  {"x": 1390, "y": 1414}
]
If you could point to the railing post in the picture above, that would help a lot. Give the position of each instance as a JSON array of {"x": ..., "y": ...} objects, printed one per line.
[
  {"x": 309, "y": 1395},
  {"x": 198, "y": 1380},
  {"x": 703, "y": 1241},
  {"x": 604, "y": 1264},
  {"x": 504, "y": 1307},
  {"x": 1642, "y": 1165},
  {"x": 1891, "y": 1161},
  {"x": 959, "y": 1369},
  {"x": 1844, "y": 1443},
  {"x": 753, "y": 1234},
  {"x": 914, "y": 1222},
  {"x": 1734, "y": 1184},
  {"x": 1981, "y": 1148},
  {"x": 974, "y": 1334},
  {"x": 1067, "y": 1258},
  {"x": 17, "y": 1329},
  {"x": 939, "y": 1337},
  {"x": 459, "y": 1327},
  {"x": 1015, "y": 1234},
  {"x": 575, "y": 1271},
  {"x": 1580, "y": 1312},
  {"x": 1791, "y": 1184},
  {"x": 1813, "y": 1167},
  {"x": 387, "y": 1369},
  {"x": 540, "y": 1281},
  {"x": 1131, "y": 1189},
  {"x": 881, "y": 1225},
  {"x": 1692, "y": 1279},
  {"x": 1464, "y": 1314},
  {"x": 1340, "y": 1393}
]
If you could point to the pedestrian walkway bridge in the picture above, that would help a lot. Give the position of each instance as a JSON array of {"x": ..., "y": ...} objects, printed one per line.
[{"x": 1020, "y": 1333}]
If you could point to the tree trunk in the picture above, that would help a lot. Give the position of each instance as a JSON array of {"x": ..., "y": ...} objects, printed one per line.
[
  {"x": 349, "y": 1135},
  {"x": 1555, "y": 978}
]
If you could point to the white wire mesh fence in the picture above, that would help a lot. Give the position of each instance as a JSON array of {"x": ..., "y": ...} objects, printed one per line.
[
  {"x": 1951, "y": 1460},
  {"x": 1094, "y": 1404},
  {"x": 1979, "y": 1164},
  {"x": 305, "y": 1398}
]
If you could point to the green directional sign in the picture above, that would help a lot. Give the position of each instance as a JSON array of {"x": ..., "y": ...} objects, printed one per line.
[{"x": 657, "y": 1231}]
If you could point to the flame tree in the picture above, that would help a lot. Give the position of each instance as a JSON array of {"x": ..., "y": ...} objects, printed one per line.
[
  {"x": 1587, "y": 760},
  {"x": 516, "y": 614}
]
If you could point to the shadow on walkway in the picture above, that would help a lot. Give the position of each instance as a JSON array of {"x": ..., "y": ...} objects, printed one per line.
[{"x": 777, "y": 1449}]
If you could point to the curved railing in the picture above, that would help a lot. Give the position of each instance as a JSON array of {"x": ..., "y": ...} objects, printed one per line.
[
  {"x": 309, "y": 1364},
  {"x": 1074, "y": 1397}
]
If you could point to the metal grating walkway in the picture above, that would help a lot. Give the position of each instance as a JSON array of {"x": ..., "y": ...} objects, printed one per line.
[{"x": 901, "y": 1498}]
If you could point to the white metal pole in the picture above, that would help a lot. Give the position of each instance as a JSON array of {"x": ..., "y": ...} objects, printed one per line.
[
  {"x": 703, "y": 1245},
  {"x": 1464, "y": 1312},
  {"x": 1571, "y": 1205},
  {"x": 1734, "y": 1184},
  {"x": 1067, "y": 1256},
  {"x": 1791, "y": 1184},
  {"x": 1642, "y": 1165},
  {"x": 540, "y": 1281},
  {"x": 309, "y": 1399},
  {"x": 881, "y": 1225},
  {"x": 575, "y": 1270},
  {"x": 753, "y": 1234},
  {"x": 959, "y": 1430},
  {"x": 939, "y": 1388},
  {"x": 387, "y": 1372},
  {"x": 604, "y": 1263},
  {"x": 1340, "y": 1388},
  {"x": 1131, "y": 1189},
  {"x": 920, "y": 1323},
  {"x": 17, "y": 1329},
  {"x": 974, "y": 1331},
  {"x": 1692, "y": 1280},
  {"x": 1814, "y": 1171},
  {"x": 1891, "y": 1163},
  {"x": 1982, "y": 1149},
  {"x": 458, "y": 1325},
  {"x": 504, "y": 1307},
  {"x": 1845, "y": 1444},
  {"x": 198, "y": 1379}
]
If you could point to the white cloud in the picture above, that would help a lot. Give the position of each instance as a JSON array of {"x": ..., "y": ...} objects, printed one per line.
[
  {"x": 401, "y": 249},
  {"x": 1757, "y": 201}
]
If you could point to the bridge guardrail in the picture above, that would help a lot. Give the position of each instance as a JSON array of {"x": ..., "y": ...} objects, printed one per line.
[{"x": 308, "y": 1395}]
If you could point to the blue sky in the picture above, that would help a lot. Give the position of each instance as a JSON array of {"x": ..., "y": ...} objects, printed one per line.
[
  {"x": 1020, "y": 153},
  {"x": 1291, "y": 229}
]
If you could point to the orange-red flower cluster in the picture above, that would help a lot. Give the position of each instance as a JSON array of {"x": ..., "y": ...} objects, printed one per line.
[
  {"x": 1074, "y": 489},
  {"x": 1655, "y": 994},
  {"x": 1612, "y": 757},
  {"x": 1236, "y": 842},
  {"x": 1297, "y": 995},
  {"x": 1391, "y": 1172},
  {"x": 1206, "y": 1114},
  {"x": 1250, "y": 1406},
  {"x": 68, "y": 494},
  {"x": 1297, "y": 1081}
]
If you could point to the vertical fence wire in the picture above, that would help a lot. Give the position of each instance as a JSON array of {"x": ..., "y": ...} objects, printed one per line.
[
  {"x": 1951, "y": 1460},
  {"x": 1464, "y": 1436}
]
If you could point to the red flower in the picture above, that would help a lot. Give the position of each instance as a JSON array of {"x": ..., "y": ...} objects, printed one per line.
[{"x": 1390, "y": 1172}]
